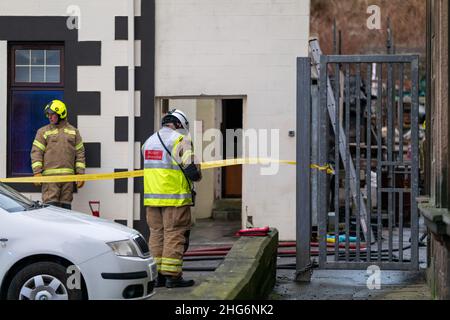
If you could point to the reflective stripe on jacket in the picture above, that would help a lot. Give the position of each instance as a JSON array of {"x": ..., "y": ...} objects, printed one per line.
[
  {"x": 164, "y": 183},
  {"x": 58, "y": 150}
]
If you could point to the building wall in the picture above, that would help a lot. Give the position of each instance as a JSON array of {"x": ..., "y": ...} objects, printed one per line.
[
  {"x": 240, "y": 48},
  {"x": 438, "y": 274},
  {"x": 439, "y": 112},
  {"x": 438, "y": 136},
  {"x": 206, "y": 113},
  {"x": 96, "y": 87}
]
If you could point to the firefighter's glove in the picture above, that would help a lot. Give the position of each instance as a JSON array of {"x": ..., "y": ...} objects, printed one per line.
[
  {"x": 80, "y": 184},
  {"x": 38, "y": 184}
]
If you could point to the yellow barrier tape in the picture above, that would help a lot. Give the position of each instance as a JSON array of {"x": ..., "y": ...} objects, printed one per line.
[
  {"x": 137, "y": 173},
  {"x": 74, "y": 178},
  {"x": 328, "y": 168}
]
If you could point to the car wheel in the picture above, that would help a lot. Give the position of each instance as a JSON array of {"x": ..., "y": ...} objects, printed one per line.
[{"x": 42, "y": 281}]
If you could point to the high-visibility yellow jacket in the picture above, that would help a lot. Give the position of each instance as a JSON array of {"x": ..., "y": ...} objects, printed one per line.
[
  {"x": 58, "y": 150},
  {"x": 164, "y": 183}
]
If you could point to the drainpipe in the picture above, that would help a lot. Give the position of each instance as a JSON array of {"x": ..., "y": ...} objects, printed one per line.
[{"x": 131, "y": 111}]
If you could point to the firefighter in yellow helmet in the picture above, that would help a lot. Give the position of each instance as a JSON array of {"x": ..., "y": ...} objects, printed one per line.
[
  {"x": 58, "y": 150},
  {"x": 169, "y": 172}
]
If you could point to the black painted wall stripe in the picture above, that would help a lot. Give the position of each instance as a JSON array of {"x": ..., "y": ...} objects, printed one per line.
[
  {"x": 139, "y": 185},
  {"x": 93, "y": 154},
  {"x": 120, "y": 185},
  {"x": 121, "y": 74},
  {"x": 137, "y": 78},
  {"x": 121, "y": 78},
  {"x": 88, "y": 104},
  {"x": 121, "y": 28},
  {"x": 121, "y": 129},
  {"x": 43, "y": 28},
  {"x": 89, "y": 53},
  {"x": 145, "y": 31}
]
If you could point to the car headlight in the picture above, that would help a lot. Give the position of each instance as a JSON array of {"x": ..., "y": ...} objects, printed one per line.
[{"x": 125, "y": 248}]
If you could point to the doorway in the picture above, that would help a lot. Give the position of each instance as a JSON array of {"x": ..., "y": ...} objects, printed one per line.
[{"x": 232, "y": 111}]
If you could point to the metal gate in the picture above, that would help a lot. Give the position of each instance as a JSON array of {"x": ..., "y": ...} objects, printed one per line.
[{"x": 367, "y": 165}]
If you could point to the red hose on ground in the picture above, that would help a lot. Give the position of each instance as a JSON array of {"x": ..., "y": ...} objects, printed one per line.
[
  {"x": 313, "y": 252},
  {"x": 280, "y": 245},
  {"x": 223, "y": 251}
]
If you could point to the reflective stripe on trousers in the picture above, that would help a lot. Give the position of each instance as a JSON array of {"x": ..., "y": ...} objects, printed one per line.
[
  {"x": 58, "y": 171},
  {"x": 158, "y": 261},
  {"x": 172, "y": 265},
  {"x": 172, "y": 269}
]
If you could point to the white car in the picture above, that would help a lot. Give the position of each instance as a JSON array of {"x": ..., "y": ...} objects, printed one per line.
[{"x": 50, "y": 253}]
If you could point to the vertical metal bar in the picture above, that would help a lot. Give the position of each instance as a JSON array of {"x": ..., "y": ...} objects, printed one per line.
[
  {"x": 400, "y": 111},
  {"x": 347, "y": 171},
  {"x": 429, "y": 96},
  {"x": 315, "y": 105},
  {"x": 303, "y": 271},
  {"x": 335, "y": 47},
  {"x": 415, "y": 164},
  {"x": 390, "y": 145},
  {"x": 322, "y": 210},
  {"x": 400, "y": 227},
  {"x": 379, "y": 157},
  {"x": 337, "y": 93},
  {"x": 358, "y": 161},
  {"x": 369, "y": 162}
]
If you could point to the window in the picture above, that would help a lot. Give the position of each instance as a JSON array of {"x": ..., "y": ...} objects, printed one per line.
[
  {"x": 36, "y": 77},
  {"x": 37, "y": 66}
]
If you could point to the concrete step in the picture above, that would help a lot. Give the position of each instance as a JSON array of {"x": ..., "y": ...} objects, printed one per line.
[
  {"x": 226, "y": 204},
  {"x": 230, "y": 215},
  {"x": 227, "y": 209}
]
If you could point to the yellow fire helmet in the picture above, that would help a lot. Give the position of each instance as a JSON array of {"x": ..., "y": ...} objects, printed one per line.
[{"x": 58, "y": 107}]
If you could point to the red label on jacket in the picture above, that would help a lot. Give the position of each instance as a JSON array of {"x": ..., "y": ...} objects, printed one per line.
[{"x": 153, "y": 155}]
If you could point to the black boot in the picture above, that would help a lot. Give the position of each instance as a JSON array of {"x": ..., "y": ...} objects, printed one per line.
[
  {"x": 178, "y": 282},
  {"x": 66, "y": 206},
  {"x": 161, "y": 281}
]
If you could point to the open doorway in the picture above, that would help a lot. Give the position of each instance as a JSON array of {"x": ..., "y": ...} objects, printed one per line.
[
  {"x": 219, "y": 193},
  {"x": 231, "y": 176}
]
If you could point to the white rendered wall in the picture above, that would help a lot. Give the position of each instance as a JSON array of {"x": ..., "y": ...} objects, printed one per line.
[
  {"x": 206, "y": 113},
  {"x": 246, "y": 48}
]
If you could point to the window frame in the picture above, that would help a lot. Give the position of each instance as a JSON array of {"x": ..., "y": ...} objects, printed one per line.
[
  {"x": 27, "y": 86},
  {"x": 34, "y": 46}
]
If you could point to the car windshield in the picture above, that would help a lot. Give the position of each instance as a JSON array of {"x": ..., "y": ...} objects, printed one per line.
[{"x": 13, "y": 201}]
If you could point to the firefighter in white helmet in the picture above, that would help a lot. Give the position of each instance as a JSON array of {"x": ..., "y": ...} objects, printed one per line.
[{"x": 169, "y": 172}]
